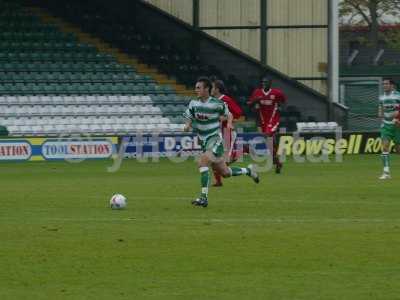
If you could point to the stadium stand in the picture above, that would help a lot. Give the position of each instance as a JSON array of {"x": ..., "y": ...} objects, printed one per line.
[
  {"x": 177, "y": 58},
  {"x": 56, "y": 79},
  {"x": 52, "y": 84}
]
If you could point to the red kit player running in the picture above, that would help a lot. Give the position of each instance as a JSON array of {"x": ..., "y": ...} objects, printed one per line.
[
  {"x": 267, "y": 102},
  {"x": 397, "y": 117},
  {"x": 228, "y": 133}
]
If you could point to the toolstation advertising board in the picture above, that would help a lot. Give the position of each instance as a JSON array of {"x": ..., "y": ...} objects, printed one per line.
[{"x": 40, "y": 149}]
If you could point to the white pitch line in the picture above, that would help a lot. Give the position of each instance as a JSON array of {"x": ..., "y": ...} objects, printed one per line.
[{"x": 214, "y": 220}]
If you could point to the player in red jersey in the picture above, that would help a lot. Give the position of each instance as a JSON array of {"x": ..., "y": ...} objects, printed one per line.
[
  {"x": 397, "y": 117},
  {"x": 267, "y": 102},
  {"x": 228, "y": 132}
]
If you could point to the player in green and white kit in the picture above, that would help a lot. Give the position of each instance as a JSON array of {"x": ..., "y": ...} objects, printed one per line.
[
  {"x": 388, "y": 105},
  {"x": 204, "y": 116}
]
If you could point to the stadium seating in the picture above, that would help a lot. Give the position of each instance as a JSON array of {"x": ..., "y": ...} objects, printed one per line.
[
  {"x": 52, "y": 115},
  {"x": 52, "y": 84},
  {"x": 177, "y": 58},
  {"x": 316, "y": 126},
  {"x": 47, "y": 74}
]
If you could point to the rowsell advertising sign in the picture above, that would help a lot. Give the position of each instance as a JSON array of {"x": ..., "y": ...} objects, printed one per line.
[{"x": 347, "y": 143}]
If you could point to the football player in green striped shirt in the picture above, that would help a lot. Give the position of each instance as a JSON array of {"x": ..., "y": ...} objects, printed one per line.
[
  {"x": 389, "y": 102},
  {"x": 203, "y": 117}
]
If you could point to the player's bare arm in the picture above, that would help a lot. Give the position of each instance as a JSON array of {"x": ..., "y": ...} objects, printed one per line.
[
  {"x": 228, "y": 118},
  {"x": 188, "y": 126},
  {"x": 229, "y": 124}
]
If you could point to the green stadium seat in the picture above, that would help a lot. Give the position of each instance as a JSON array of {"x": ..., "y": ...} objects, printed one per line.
[
  {"x": 94, "y": 89},
  {"x": 38, "y": 89}
]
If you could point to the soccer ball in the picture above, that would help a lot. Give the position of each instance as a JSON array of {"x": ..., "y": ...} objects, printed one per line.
[{"x": 118, "y": 201}]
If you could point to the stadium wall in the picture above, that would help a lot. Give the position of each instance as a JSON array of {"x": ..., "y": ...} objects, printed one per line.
[
  {"x": 298, "y": 40},
  {"x": 296, "y": 31},
  {"x": 231, "y": 61},
  {"x": 223, "y": 14},
  {"x": 181, "y": 9}
]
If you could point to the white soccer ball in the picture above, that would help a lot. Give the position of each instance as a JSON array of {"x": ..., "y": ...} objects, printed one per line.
[{"x": 118, "y": 201}]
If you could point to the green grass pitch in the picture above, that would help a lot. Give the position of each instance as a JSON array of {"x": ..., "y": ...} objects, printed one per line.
[{"x": 317, "y": 231}]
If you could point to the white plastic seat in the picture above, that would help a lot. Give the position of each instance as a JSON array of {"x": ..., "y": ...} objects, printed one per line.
[
  {"x": 128, "y": 128},
  {"x": 95, "y": 128},
  {"x": 91, "y": 120},
  {"x": 332, "y": 125},
  {"x": 22, "y": 100},
  {"x": 176, "y": 127},
  {"x": 75, "y": 110},
  {"x": 40, "y": 100},
  {"x": 27, "y": 100},
  {"x": 115, "y": 128},
  {"x": 63, "y": 110},
  {"x": 91, "y": 99},
  {"x": 83, "y": 128},
  {"x": 13, "y": 129},
  {"x": 162, "y": 126},
  {"x": 33, "y": 121},
  {"x": 23, "y": 121},
  {"x": 56, "y": 121},
  {"x": 48, "y": 129},
  {"x": 42, "y": 109},
  {"x": 53, "y": 110},
  {"x": 140, "y": 127},
  {"x": 82, "y": 120},
  {"x": 10, "y": 100},
  {"x": 135, "y": 119},
  {"x": 86, "y": 110},
  {"x": 113, "y": 98},
  {"x": 37, "y": 130},
  {"x": 26, "y": 129},
  {"x": 118, "y": 109},
  {"x": 109, "y": 121},
  {"x": 59, "y": 128},
  {"x": 71, "y": 128},
  {"x": 125, "y": 98},
  {"x": 8, "y": 121},
  {"x": 3, "y": 100},
  {"x": 77, "y": 99},
  {"x": 28, "y": 110},
  {"x": 57, "y": 100},
  {"x": 47, "y": 120},
  {"x": 151, "y": 127}
]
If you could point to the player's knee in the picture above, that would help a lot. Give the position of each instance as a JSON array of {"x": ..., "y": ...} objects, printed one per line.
[
  {"x": 225, "y": 173},
  {"x": 203, "y": 161},
  {"x": 385, "y": 147}
]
